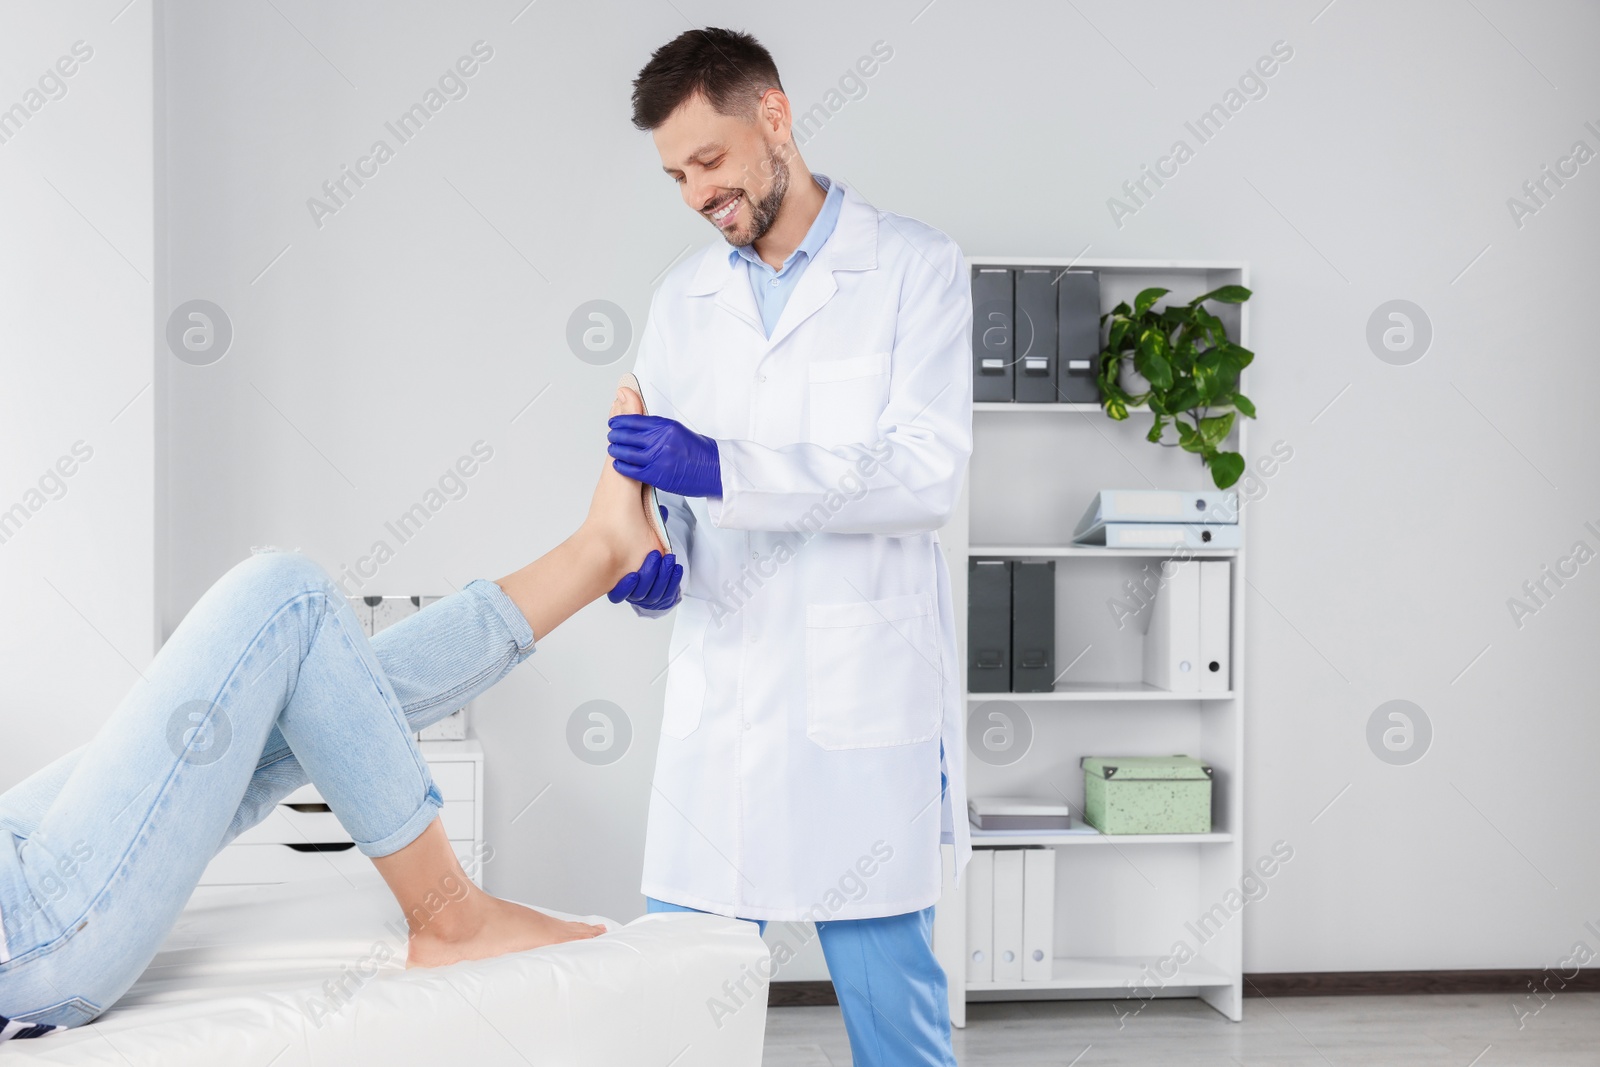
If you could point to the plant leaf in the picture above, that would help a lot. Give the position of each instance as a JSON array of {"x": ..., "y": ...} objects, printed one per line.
[
  {"x": 1214, "y": 430},
  {"x": 1243, "y": 403},
  {"x": 1227, "y": 294},
  {"x": 1150, "y": 361},
  {"x": 1226, "y": 467},
  {"x": 1177, "y": 314},
  {"x": 1147, "y": 298},
  {"x": 1156, "y": 428},
  {"x": 1182, "y": 398},
  {"x": 1119, "y": 330}
]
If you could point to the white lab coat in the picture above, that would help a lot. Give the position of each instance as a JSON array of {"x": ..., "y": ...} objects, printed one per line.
[{"x": 812, "y": 671}]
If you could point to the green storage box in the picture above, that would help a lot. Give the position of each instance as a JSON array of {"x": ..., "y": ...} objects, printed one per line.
[{"x": 1147, "y": 794}]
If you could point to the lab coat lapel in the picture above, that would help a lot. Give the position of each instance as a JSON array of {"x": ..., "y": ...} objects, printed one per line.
[
  {"x": 853, "y": 245},
  {"x": 730, "y": 283},
  {"x": 737, "y": 299}
]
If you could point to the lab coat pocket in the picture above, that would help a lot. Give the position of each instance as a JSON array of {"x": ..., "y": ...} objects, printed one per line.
[
  {"x": 873, "y": 677},
  {"x": 686, "y": 669},
  {"x": 845, "y": 398}
]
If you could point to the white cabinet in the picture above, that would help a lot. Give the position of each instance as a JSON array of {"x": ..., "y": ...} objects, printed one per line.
[{"x": 302, "y": 838}]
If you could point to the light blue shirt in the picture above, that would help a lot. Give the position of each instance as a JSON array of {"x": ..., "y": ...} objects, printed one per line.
[{"x": 772, "y": 287}]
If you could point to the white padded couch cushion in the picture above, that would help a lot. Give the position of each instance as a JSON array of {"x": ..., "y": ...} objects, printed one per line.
[{"x": 252, "y": 976}]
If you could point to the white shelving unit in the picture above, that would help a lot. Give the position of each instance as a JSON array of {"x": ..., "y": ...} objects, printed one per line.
[{"x": 1124, "y": 904}]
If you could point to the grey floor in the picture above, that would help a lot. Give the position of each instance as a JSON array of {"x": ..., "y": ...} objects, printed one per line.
[{"x": 1447, "y": 1031}]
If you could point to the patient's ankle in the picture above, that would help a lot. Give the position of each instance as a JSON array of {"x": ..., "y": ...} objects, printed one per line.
[
  {"x": 450, "y": 917},
  {"x": 607, "y": 550}
]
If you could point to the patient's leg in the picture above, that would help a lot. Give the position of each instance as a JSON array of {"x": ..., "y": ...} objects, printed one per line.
[
  {"x": 450, "y": 919},
  {"x": 109, "y": 862}
]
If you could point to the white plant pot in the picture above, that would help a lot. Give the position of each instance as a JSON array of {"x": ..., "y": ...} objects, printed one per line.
[{"x": 1133, "y": 383}]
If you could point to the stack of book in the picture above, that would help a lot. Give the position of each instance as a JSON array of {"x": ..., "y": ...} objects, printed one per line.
[{"x": 1022, "y": 815}]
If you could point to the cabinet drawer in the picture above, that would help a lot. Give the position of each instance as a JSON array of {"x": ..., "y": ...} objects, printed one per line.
[
  {"x": 287, "y": 826},
  {"x": 455, "y": 779},
  {"x": 261, "y": 864},
  {"x": 255, "y": 864}
]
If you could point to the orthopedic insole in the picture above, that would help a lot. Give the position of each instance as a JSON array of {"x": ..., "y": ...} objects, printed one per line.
[{"x": 652, "y": 504}]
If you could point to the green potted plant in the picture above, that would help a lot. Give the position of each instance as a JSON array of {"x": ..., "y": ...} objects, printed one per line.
[{"x": 1179, "y": 363}]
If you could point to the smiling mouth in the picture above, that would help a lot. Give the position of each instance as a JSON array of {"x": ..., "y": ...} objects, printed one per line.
[{"x": 725, "y": 210}]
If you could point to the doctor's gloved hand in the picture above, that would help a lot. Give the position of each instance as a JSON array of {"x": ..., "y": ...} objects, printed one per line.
[
  {"x": 654, "y": 586},
  {"x": 666, "y": 454}
]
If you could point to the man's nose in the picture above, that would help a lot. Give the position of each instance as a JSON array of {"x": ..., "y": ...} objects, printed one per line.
[{"x": 698, "y": 194}]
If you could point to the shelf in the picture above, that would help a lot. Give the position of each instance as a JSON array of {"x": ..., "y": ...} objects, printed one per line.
[
  {"x": 1081, "y": 407},
  {"x": 1013, "y": 405},
  {"x": 1179, "y": 266},
  {"x": 1093, "y": 551},
  {"x": 1002, "y": 839},
  {"x": 1133, "y": 691},
  {"x": 1115, "y": 972}
]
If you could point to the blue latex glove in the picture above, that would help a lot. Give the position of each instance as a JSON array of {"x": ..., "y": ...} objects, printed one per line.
[
  {"x": 666, "y": 454},
  {"x": 655, "y": 585}
]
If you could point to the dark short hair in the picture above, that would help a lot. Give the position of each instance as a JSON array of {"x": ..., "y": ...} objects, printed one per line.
[{"x": 730, "y": 69}]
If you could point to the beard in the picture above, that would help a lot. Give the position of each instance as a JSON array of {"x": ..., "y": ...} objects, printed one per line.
[{"x": 765, "y": 211}]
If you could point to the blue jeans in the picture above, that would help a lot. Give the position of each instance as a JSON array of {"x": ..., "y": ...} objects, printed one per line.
[
  {"x": 892, "y": 992},
  {"x": 268, "y": 683}
]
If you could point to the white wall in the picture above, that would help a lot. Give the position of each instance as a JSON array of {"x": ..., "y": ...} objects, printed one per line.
[
  {"x": 75, "y": 370},
  {"x": 429, "y": 311}
]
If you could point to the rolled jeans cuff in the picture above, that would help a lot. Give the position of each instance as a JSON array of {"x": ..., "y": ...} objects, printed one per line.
[
  {"x": 411, "y": 829},
  {"x": 494, "y": 598}
]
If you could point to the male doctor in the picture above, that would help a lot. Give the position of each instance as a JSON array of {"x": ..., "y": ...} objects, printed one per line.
[{"x": 808, "y": 382}]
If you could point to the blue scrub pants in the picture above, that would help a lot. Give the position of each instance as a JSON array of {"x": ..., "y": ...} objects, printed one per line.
[{"x": 891, "y": 989}]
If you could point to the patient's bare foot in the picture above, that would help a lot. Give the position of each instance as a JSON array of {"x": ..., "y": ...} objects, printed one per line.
[
  {"x": 617, "y": 516},
  {"x": 491, "y": 927}
]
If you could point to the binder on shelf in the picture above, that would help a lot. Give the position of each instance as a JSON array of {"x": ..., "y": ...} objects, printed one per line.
[
  {"x": 1077, "y": 337},
  {"x": 1158, "y": 505},
  {"x": 1007, "y": 914},
  {"x": 1035, "y": 337},
  {"x": 989, "y": 626},
  {"x": 1038, "y": 914},
  {"x": 980, "y": 916},
  {"x": 1197, "y": 535},
  {"x": 1033, "y": 626},
  {"x": 993, "y": 321},
  {"x": 1172, "y": 630},
  {"x": 1216, "y": 622}
]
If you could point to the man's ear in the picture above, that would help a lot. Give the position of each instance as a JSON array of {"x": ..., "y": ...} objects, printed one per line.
[{"x": 774, "y": 116}]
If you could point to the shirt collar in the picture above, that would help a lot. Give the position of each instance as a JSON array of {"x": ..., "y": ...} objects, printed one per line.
[{"x": 815, "y": 237}]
